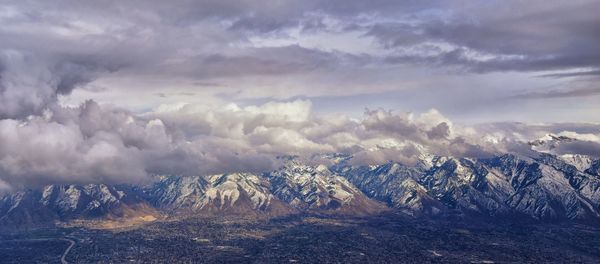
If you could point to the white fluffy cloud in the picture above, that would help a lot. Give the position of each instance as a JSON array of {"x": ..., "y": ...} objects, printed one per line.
[
  {"x": 93, "y": 143},
  {"x": 40, "y": 151}
]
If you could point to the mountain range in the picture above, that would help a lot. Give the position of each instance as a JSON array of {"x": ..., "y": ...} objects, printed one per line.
[{"x": 541, "y": 187}]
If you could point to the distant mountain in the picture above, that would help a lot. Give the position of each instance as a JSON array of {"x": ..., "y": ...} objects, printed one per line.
[
  {"x": 394, "y": 184},
  {"x": 546, "y": 187},
  {"x": 237, "y": 193},
  {"x": 292, "y": 188},
  {"x": 316, "y": 188},
  {"x": 549, "y": 142},
  {"x": 69, "y": 202}
]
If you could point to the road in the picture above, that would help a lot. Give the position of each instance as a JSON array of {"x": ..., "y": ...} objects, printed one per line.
[{"x": 64, "y": 255}]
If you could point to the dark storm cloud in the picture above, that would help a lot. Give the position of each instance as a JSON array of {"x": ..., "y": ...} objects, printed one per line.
[
  {"x": 442, "y": 130},
  {"x": 532, "y": 39},
  {"x": 580, "y": 147},
  {"x": 582, "y": 86},
  {"x": 261, "y": 61},
  {"x": 144, "y": 33},
  {"x": 212, "y": 40},
  {"x": 588, "y": 91},
  {"x": 571, "y": 74},
  {"x": 29, "y": 83},
  {"x": 531, "y": 36}
]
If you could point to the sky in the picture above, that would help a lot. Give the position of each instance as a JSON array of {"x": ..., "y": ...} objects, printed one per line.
[{"x": 114, "y": 91}]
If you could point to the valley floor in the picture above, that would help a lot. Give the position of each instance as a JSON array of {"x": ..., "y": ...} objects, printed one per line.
[{"x": 387, "y": 238}]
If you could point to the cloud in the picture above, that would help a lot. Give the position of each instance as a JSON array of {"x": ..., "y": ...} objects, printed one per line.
[
  {"x": 580, "y": 147},
  {"x": 571, "y": 74},
  {"x": 39, "y": 152},
  {"x": 442, "y": 130},
  {"x": 290, "y": 128},
  {"x": 28, "y": 85},
  {"x": 580, "y": 87},
  {"x": 168, "y": 57},
  {"x": 588, "y": 91},
  {"x": 94, "y": 143},
  {"x": 255, "y": 50},
  {"x": 495, "y": 38},
  {"x": 98, "y": 144}
]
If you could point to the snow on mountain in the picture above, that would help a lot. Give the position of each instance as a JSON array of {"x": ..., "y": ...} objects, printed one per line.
[
  {"x": 65, "y": 202},
  {"x": 594, "y": 168},
  {"x": 549, "y": 142},
  {"x": 240, "y": 193},
  {"x": 227, "y": 190},
  {"x": 581, "y": 162},
  {"x": 294, "y": 187},
  {"x": 394, "y": 184},
  {"x": 174, "y": 193},
  {"x": 317, "y": 188},
  {"x": 544, "y": 186},
  {"x": 23, "y": 209},
  {"x": 236, "y": 193}
]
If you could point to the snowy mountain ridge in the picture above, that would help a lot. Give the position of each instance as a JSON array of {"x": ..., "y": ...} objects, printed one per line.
[{"x": 546, "y": 187}]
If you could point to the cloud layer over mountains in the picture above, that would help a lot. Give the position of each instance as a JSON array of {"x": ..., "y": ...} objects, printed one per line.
[{"x": 93, "y": 143}]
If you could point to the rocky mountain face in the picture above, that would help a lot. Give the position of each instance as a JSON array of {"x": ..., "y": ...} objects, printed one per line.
[
  {"x": 236, "y": 193},
  {"x": 68, "y": 202},
  {"x": 292, "y": 188},
  {"x": 549, "y": 142},
  {"x": 318, "y": 189},
  {"x": 546, "y": 187}
]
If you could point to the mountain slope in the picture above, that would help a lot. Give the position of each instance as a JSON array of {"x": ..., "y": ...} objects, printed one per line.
[
  {"x": 545, "y": 188},
  {"x": 394, "y": 184},
  {"x": 68, "y": 202},
  {"x": 318, "y": 189},
  {"x": 236, "y": 193}
]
